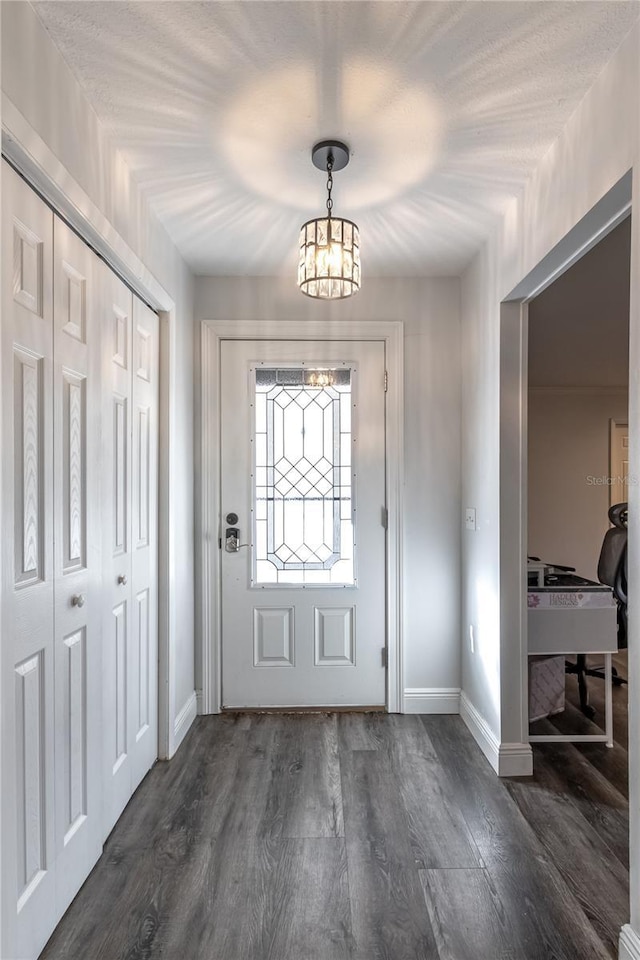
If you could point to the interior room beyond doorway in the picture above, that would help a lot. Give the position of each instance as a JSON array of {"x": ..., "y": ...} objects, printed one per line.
[{"x": 577, "y": 416}]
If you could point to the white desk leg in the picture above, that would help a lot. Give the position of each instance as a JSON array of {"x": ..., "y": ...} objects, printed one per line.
[{"x": 608, "y": 699}]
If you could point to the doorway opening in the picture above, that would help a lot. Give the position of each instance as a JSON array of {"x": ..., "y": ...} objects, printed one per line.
[
  {"x": 578, "y": 380},
  {"x": 601, "y": 220}
]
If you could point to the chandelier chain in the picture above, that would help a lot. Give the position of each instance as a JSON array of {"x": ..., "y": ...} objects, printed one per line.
[{"x": 329, "y": 185}]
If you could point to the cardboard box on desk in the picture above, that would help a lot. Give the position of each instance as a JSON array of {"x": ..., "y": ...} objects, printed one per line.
[{"x": 546, "y": 687}]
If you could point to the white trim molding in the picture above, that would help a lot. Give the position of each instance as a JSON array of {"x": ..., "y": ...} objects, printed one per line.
[
  {"x": 208, "y": 567},
  {"x": 184, "y": 719},
  {"x": 480, "y": 730},
  {"x": 507, "y": 759},
  {"x": 432, "y": 700},
  {"x": 213, "y": 332},
  {"x": 629, "y": 944}
]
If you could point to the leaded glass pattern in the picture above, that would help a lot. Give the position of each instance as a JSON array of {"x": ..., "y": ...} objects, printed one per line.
[{"x": 303, "y": 512}]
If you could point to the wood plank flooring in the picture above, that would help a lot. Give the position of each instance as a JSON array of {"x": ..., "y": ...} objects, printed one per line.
[{"x": 357, "y": 837}]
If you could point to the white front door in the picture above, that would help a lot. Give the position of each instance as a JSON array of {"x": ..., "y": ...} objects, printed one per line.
[{"x": 303, "y": 523}]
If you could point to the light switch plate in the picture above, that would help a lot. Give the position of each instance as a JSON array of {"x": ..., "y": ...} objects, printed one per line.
[{"x": 470, "y": 518}]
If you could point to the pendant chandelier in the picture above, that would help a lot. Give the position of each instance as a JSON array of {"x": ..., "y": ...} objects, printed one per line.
[{"x": 329, "y": 261}]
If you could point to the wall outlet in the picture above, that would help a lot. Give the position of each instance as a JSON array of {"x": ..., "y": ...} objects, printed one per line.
[
  {"x": 470, "y": 518},
  {"x": 472, "y": 642}
]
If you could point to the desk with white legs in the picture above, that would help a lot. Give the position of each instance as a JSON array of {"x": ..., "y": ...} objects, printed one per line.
[{"x": 575, "y": 620}]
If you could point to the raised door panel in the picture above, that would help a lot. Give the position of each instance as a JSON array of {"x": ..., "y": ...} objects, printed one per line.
[
  {"x": 30, "y": 776},
  {"x": 273, "y": 637},
  {"x": 30, "y": 251},
  {"x": 141, "y": 676},
  {"x": 74, "y": 471},
  {"x": 28, "y": 468},
  {"x": 119, "y": 506},
  {"x": 334, "y": 637},
  {"x": 78, "y": 556},
  {"x": 143, "y": 709},
  {"x": 117, "y": 646},
  {"x": 116, "y": 307},
  {"x": 142, "y": 490},
  {"x": 27, "y": 821},
  {"x": 74, "y": 757}
]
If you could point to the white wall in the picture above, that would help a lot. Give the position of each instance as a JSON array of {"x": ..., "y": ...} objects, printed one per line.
[
  {"x": 579, "y": 326},
  {"x": 429, "y": 309},
  {"x": 38, "y": 84},
  {"x": 568, "y": 453},
  {"x": 598, "y": 146},
  {"x": 480, "y": 490}
]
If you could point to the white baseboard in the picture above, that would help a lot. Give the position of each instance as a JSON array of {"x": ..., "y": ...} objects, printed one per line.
[
  {"x": 481, "y": 731},
  {"x": 507, "y": 759},
  {"x": 432, "y": 700},
  {"x": 184, "y": 720},
  {"x": 629, "y": 944},
  {"x": 516, "y": 760}
]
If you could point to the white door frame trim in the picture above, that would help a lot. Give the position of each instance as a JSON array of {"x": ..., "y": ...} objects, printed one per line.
[
  {"x": 212, "y": 333},
  {"x": 36, "y": 162}
]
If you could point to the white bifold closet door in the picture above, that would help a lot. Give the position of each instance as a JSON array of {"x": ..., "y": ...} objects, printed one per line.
[
  {"x": 78, "y": 489},
  {"x": 27, "y": 650},
  {"x": 51, "y": 569},
  {"x": 130, "y": 447},
  {"x": 77, "y": 561}
]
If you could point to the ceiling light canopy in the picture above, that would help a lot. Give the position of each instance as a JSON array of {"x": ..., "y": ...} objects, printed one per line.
[{"x": 329, "y": 261}]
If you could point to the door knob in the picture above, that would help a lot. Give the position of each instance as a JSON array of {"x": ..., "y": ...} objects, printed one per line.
[
  {"x": 232, "y": 540},
  {"x": 122, "y": 579},
  {"x": 77, "y": 600}
]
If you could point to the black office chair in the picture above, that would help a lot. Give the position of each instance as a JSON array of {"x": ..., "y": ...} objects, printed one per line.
[
  {"x": 612, "y": 571},
  {"x": 612, "y": 565}
]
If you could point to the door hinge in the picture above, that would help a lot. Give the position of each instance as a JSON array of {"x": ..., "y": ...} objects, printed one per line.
[
  {"x": 385, "y": 657},
  {"x": 386, "y": 381},
  {"x": 385, "y": 518}
]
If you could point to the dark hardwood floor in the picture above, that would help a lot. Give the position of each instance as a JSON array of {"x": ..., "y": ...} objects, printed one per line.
[{"x": 359, "y": 837}]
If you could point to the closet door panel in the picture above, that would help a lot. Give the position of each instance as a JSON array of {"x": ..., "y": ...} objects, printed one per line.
[
  {"x": 144, "y": 648},
  {"x": 27, "y": 573},
  {"x": 78, "y": 654},
  {"x": 117, "y": 613},
  {"x": 78, "y": 561}
]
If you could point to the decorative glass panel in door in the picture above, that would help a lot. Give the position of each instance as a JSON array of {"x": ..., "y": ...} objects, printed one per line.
[{"x": 303, "y": 505}]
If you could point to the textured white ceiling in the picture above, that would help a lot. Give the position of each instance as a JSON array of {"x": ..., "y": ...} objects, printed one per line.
[{"x": 447, "y": 106}]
